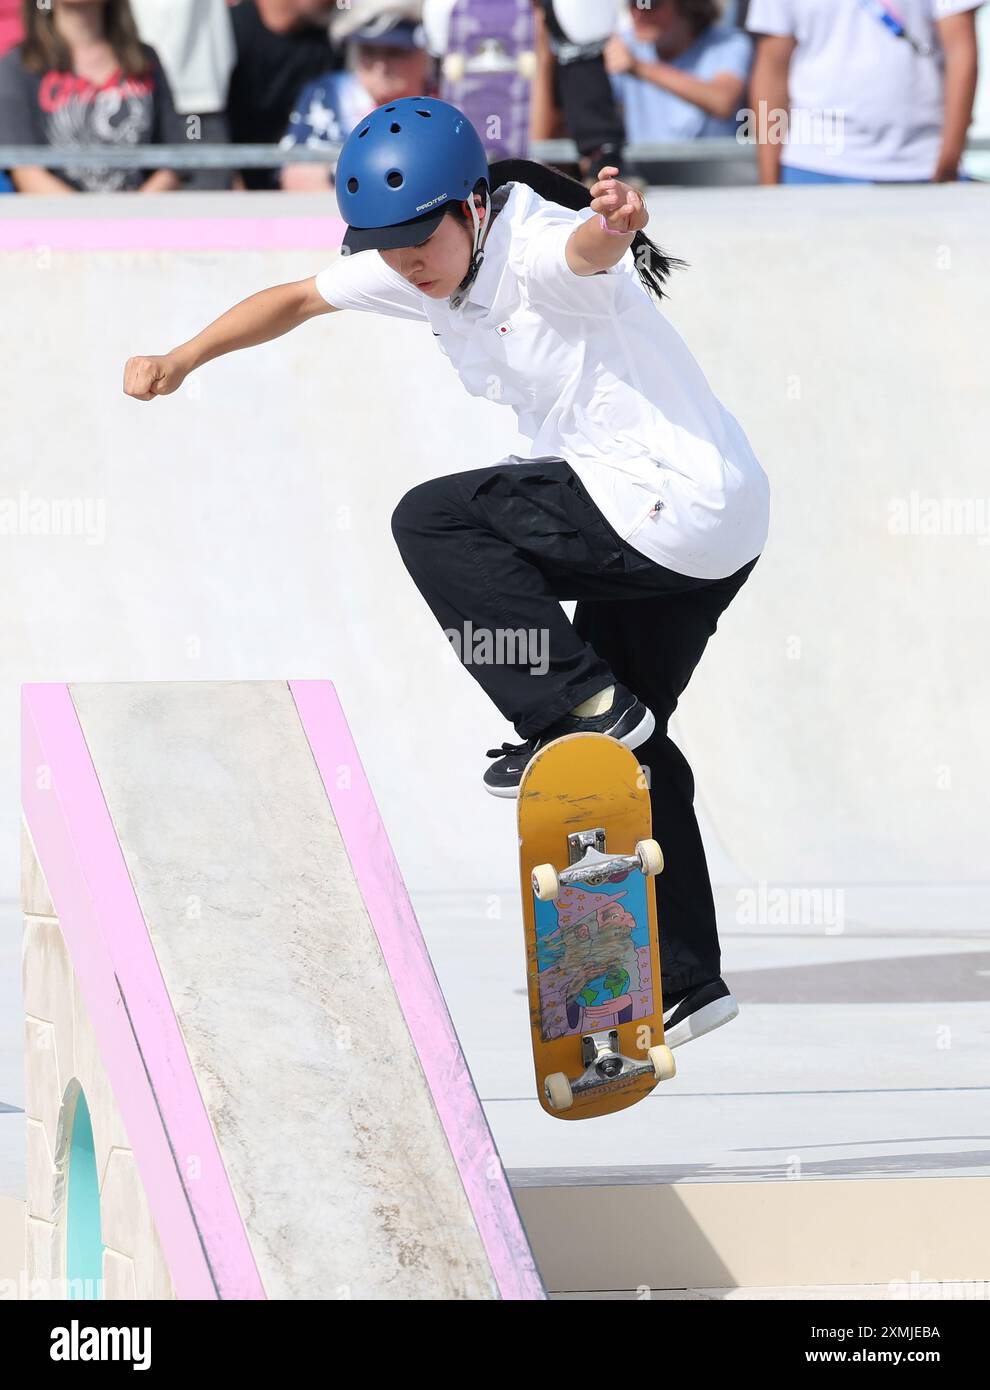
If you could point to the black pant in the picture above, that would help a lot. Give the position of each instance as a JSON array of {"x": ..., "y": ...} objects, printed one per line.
[{"x": 495, "y": 551}]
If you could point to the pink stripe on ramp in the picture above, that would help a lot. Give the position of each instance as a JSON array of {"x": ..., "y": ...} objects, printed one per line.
[
  {"x": 418, "y": 992},
  {"x": 140, "y": 1041},
  {"x": 172, "y": 234}
]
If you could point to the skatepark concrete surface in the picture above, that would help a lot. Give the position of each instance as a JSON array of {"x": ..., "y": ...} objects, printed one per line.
[
  {"x": 857, "y": 1062},
  {"x": 824, "y": 1293},
  {"x": 852, "y": 1056},
  {"x": 836, "y": 726}
]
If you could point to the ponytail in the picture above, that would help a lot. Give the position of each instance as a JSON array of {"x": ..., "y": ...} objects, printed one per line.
[{"x": 652, "y": 265}]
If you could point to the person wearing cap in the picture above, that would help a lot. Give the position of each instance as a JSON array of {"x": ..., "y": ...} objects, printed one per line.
[
  {"x": 641, "y": 497},
  {"x": 387, "y": 59}
]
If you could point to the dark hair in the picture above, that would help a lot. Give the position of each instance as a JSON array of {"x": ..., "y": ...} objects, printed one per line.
[
  {"x": 700, "y": 14},
  {"x": 44, "y": 47},
  {"x": 652, "y": 264}
]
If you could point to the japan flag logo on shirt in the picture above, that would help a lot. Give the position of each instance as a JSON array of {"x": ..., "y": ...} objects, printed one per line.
[{"x": 504, "y": 329}]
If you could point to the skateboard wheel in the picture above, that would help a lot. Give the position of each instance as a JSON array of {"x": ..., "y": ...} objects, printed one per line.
[
  {"x": 528, "y": 66},
  {"x": 650, "y": 857},
  {"x": 453, "y": 67},
  {"x": 546, "y": 884},
  {"x": 664, "y": 1065},
  {"x": 557, "y": 1090}
]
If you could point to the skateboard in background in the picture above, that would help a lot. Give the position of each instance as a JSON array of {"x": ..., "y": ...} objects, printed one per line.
[
  {"x": 590, "y": 920},
  {"x": 488, "y": 61}
]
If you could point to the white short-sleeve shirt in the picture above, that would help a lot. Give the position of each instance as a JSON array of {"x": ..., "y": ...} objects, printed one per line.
[
  {"x": 596, "y": 376},
  {"x": 865, "y": 104}
]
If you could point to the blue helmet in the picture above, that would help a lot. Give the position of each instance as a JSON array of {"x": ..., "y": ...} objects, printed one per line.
[{"x": 401, "y": 166}]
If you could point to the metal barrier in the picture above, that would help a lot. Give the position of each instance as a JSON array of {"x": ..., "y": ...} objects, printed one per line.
[{"x": 195, "y": 155}]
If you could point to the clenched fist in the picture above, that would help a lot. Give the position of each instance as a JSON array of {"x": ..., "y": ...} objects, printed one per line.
[{"x": 148, "y": 377}]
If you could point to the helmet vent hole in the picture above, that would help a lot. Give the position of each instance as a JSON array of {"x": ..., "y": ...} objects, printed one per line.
[
  {"x": 394, "y": 178},
  {"x": 395, "y": 127},
  {"x": 427, "y": 114},
  {"x": 352, "y": 185},
  {"x": 364, "y": 132},
  {"x": 390, "y": 108}
]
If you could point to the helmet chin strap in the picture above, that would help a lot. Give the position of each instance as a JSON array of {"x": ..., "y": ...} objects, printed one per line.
[{"x": 480, "y": 236}]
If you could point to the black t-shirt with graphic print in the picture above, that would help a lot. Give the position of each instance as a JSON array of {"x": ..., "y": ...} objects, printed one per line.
[{"x": 65, "y": 111}]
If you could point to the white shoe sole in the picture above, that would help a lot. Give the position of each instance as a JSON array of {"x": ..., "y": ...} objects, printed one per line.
[
  {"x": 509, "y": 793},
  {"x": 642, "y": 731},
  {"x": 706, "y": 1020},
  {"x": 632, "y": 739}
]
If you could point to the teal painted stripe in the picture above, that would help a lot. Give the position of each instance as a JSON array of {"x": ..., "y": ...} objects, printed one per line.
[{"x": 84, "y": 1236}]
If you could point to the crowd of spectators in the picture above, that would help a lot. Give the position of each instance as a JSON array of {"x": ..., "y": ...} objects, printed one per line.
[{"x": 831, "y": 90}]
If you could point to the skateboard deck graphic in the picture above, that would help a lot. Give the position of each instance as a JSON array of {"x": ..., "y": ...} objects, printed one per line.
[
  {"x": 590, "y": 920},
  {"x": 488, "y": 68}
]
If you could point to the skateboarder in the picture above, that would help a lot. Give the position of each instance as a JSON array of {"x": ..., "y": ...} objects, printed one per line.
[{"x": 642, "y": 499}]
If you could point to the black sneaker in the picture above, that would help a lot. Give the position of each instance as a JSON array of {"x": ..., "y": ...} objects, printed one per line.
[
  {"x": 627, "y": 719},
  {"x": 691, "y": 1012}
]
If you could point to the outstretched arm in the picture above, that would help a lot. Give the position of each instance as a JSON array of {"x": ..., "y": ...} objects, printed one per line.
[{"x": 258, "y": 319}]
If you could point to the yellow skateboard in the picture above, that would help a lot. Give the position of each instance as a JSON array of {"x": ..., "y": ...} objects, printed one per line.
[{"x": 592, "y": 945}]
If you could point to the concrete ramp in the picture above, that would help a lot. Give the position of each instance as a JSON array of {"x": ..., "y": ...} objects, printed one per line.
[{"x": 242, "y": 1080}]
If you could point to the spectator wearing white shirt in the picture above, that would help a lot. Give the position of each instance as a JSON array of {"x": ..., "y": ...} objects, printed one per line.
[
  {"x": 194, "y": 40},
  {"x": 978, "y": 161},
  {"x": 875, "y": 94}
]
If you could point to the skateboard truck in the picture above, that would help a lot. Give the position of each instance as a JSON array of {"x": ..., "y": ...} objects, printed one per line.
[
  {"x": 591, "y": 865},
  {"x": 604, "y": 1064},
  {"x": 490, "y": 58}
]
